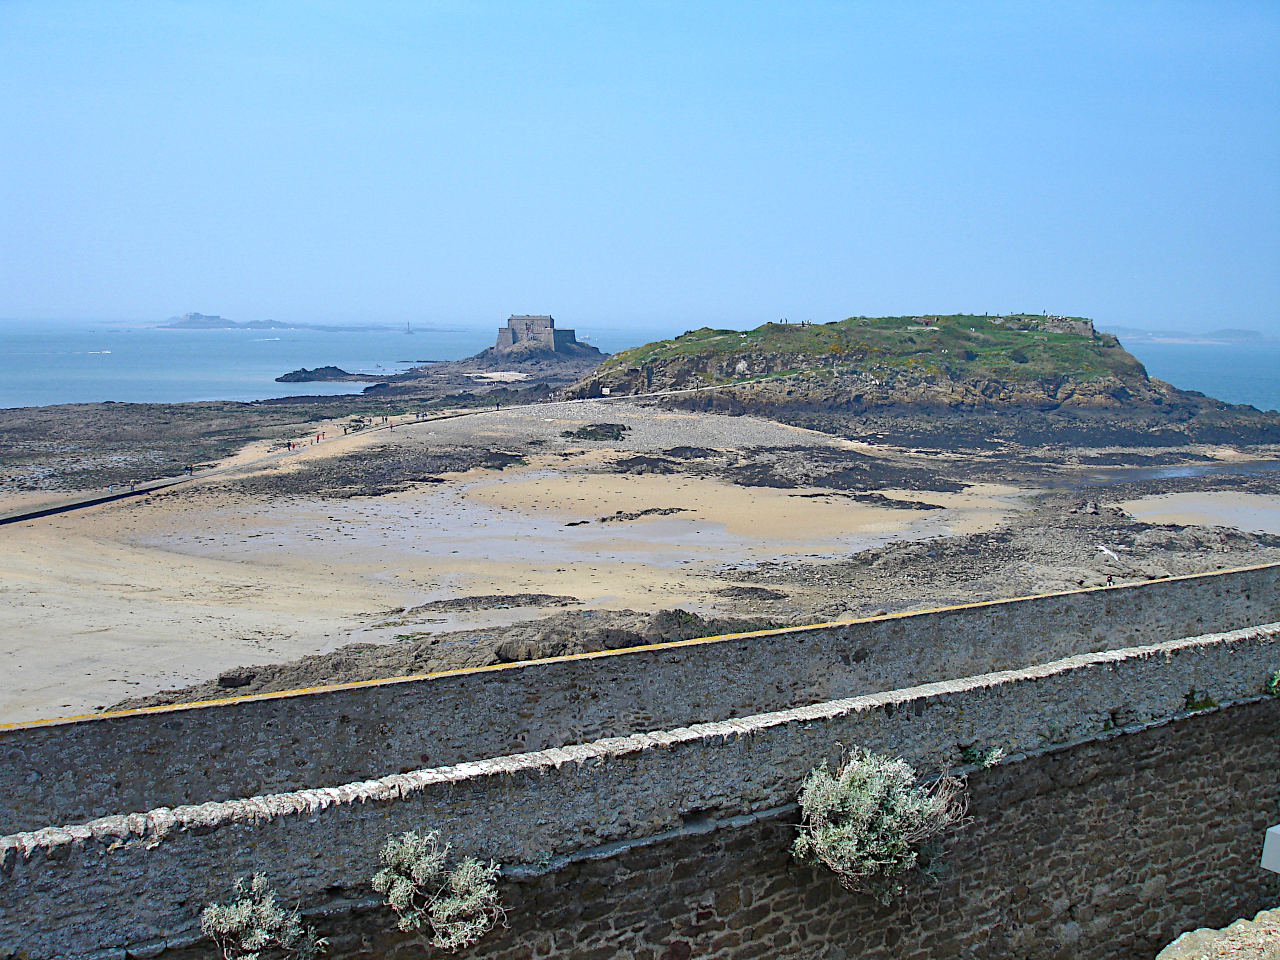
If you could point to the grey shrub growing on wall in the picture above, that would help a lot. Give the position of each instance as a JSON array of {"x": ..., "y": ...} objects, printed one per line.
[
  {"x": 456, "y": 905},
  {"x": 255, "y": 926},
  {"x": 872, "y": 824}
]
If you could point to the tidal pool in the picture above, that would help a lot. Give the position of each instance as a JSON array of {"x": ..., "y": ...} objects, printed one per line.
[{"x": 1254, "y": 512}]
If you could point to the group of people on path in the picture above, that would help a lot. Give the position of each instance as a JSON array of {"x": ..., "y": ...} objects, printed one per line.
[
  {"x": 323, "y": 435},
  {"x": 294, "y": 444},
  {"x": 189, "y": 470}
]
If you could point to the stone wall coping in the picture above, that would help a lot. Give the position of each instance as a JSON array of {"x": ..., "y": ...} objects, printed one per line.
[
  {"x": 153, "y": 826},
  {"x": 604, "y": 654}
]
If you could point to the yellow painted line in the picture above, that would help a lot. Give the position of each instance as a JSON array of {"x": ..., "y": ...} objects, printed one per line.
[{"x": 596, "y": 654}]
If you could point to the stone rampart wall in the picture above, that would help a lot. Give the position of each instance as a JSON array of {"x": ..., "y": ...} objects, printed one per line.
[
  {"x": 124, "y": 881},
  {"x": 1102, "y": 851},
  {"x": 71, "y": 771}
]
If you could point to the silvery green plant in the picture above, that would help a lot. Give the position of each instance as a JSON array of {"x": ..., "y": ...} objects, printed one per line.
[
  {"x": 872, "y": 824},
  {"x": 982, "y": 756},
  {"x": 456, "y": 905},
  {"x": 255, "y": 926}
]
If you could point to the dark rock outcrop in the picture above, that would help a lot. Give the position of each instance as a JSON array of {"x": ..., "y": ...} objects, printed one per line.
[{"x": 318, "y": 374}]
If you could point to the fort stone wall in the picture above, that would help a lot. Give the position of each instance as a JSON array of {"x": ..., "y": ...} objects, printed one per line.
[
  {"x": 1093, "y": 800},
  {"x": 529, "y": 328},
  {"x": 1103, "y": 850},
  {"x": 71, "y": 771}
]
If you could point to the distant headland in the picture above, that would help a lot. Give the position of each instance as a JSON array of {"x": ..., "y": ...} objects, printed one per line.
[{"x": 203, "y": 321}]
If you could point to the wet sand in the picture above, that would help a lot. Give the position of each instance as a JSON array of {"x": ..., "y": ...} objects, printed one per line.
[{"x": 170, "y": 589}]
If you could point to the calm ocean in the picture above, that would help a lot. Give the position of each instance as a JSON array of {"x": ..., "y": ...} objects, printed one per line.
[
  {"x": 1235, "y": 372},
  {"x": 70, "y": 362}
]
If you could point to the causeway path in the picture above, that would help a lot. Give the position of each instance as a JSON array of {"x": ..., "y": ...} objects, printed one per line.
[{"x": 127, "y": 492}]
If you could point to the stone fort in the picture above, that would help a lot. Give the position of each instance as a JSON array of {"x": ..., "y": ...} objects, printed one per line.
[
  {"x": 534, "y": 330},
  {"x": 642, "y": 801}
]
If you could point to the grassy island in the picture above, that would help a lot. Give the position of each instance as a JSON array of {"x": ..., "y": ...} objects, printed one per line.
[{"x": 960, "y": 346}]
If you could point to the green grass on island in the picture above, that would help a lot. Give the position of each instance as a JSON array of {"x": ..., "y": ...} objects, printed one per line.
[{"x": 962, "y": 346}]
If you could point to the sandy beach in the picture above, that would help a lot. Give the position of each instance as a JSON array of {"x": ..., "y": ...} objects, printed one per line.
[
  {"x": 166, "y": 590},
  {"x": 274, "y": 561}
]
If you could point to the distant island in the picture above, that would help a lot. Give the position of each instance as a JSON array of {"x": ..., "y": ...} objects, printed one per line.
[
  {"x": 1223, "y": 335},
  {"x": 203, "y": 321}
]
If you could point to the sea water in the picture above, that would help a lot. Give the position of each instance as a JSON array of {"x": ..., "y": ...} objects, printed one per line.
[
  {"x": 1235, "y": 372},
  {"x": 78, "y": 362},
  {"x": 49, "y": 362}
]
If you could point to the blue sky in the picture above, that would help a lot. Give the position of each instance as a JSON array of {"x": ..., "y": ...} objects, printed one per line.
[{"x": 640, "y": 164}]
